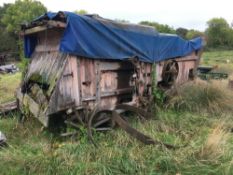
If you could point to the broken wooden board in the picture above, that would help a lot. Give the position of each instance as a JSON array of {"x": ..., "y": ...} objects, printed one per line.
[{"x": 8, "y": 107}]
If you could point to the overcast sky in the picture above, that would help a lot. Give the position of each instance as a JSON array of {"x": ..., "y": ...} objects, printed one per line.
[{"x": 176, "y": 13}]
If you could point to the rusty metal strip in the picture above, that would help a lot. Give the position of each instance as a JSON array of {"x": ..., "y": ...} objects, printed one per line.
[
  {"x": 133, "y": 132},
  {"x": 137, "y": 110}
]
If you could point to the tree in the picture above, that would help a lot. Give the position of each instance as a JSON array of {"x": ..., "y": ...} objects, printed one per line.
[
  {"x": 81, "y": 12},
  {"x": 218, "y": 33},
  {"x": 21, "y": 11},
  {"x": 162, "y": 28},
  {"x": 193, "y": 34},
  {"x": 8, "y": 41},
  {"x": 182, "y": 32},
  {"x": 2, "y": 12}
]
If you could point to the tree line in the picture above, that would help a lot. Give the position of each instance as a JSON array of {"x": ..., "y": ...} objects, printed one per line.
[
  {"x": 219, "y": 33},
  {"x": 12, "y": 15}
]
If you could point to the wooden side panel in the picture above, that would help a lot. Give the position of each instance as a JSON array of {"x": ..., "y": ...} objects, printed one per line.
[
  {"x": 48, "y": 40},
  {"x": 186, "y": 64},
  {"x": 75, "y": 86},
  {"x": 47, "y": 67},
  {"x": 66, "y": 94},
  {"x": 108, "y": 81},
  {"x": 68, "y": 84},
  {"x": 104, "y": 83}
]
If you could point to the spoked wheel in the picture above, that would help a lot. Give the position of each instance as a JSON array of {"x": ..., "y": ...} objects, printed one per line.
[
  {"x": 75, "y": 123},
  {"x": 100, "y": 121},
  {"x": 169, "y": 73}
]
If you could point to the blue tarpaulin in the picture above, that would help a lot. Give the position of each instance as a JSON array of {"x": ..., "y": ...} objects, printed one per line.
[{"x": 98, "y": 38}]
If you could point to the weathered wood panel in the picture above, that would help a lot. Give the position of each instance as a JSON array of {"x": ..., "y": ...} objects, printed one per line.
[
  {"x": 186, "y": 64},
  {"x": 48, "y": 40},
  {"x": 45, "y": 67},
  {"x": 68, "y": 91},
  {"x": 104, "y": 82},
  {"x": 28, "y": 103}
]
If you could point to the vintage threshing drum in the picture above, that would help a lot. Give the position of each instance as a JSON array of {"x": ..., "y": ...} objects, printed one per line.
[{"x": 83, "y": 66}]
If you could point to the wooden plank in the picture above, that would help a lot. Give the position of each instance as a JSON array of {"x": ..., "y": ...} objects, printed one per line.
[
  {"x": 187, "y": 58},
  {"x": 79, "y": 81},
  {"x": 26, "y": 101},
  {"x": 35, "y": 30},
  {"x": 98, "y": 74},
  {"x": 109, "y": 94},
  {"x": 111, "y": 66},
  {"x": 7, "y": 107},
  {"x": 104, "y": 66},
  {"x": 50, "y": 24}
]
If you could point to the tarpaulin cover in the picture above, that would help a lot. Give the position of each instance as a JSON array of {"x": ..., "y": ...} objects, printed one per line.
[{"x": 98, "y": 38}]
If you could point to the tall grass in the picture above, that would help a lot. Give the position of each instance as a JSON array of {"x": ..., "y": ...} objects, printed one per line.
[
  {"x": 199, "y": 116},
  {"x": 8, "y": 85},
  {"x": 199, "y": 96},
  {"x": 34, "y": 151},
  {"x": 215, "y": 145}
]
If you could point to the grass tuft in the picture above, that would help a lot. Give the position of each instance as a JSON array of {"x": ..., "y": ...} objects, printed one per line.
[
  {"x": 215, "y": 145},
  {"x": 199, "y": 96},
  {"x": 8, "y": 85}
]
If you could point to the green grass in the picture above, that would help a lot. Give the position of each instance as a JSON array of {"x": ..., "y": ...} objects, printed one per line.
[
  {"x": 205, "y": 134},
  {"x": 222, "y": 59},
  {"x": 33, "y": 151},
  {"x": 8, "y": 84}
]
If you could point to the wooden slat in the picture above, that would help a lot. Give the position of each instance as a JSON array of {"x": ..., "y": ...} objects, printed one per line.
[
  {"x": 35, "y": 30},
  {"x": 97, "y": 82},
  {"x": 26, "y": 101},
  {"x": 111, "y": 66},
  {"x": 50, "y": 24},
  {"x": 187, "y": 58},
  {"x": 7, "y": 107},
  {"x": 109, "y": 94}
]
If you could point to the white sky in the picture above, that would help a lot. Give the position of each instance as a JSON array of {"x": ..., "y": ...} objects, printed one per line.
[{"x": 176, "y": 13}]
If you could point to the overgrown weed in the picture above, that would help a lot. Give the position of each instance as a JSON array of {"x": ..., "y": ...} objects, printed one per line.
[{"x": 199, "y": 96}]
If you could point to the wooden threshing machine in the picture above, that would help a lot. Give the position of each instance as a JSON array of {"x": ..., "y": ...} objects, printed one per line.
[{"x": 85, "y": 70}]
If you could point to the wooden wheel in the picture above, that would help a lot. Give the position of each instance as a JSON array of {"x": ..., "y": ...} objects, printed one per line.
[
  {"x": 74, "y": 124},
  {"x": 100, "y": 120},
  {"x": 169, "y": 73}
]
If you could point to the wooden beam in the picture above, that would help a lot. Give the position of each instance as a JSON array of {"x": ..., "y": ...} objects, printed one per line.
[
  {"x": 49, "y": 24},
  {"x": 110, "y": 94},
  {"x": 34, "y": 30},
  {"x": 7, "y": 107}
]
